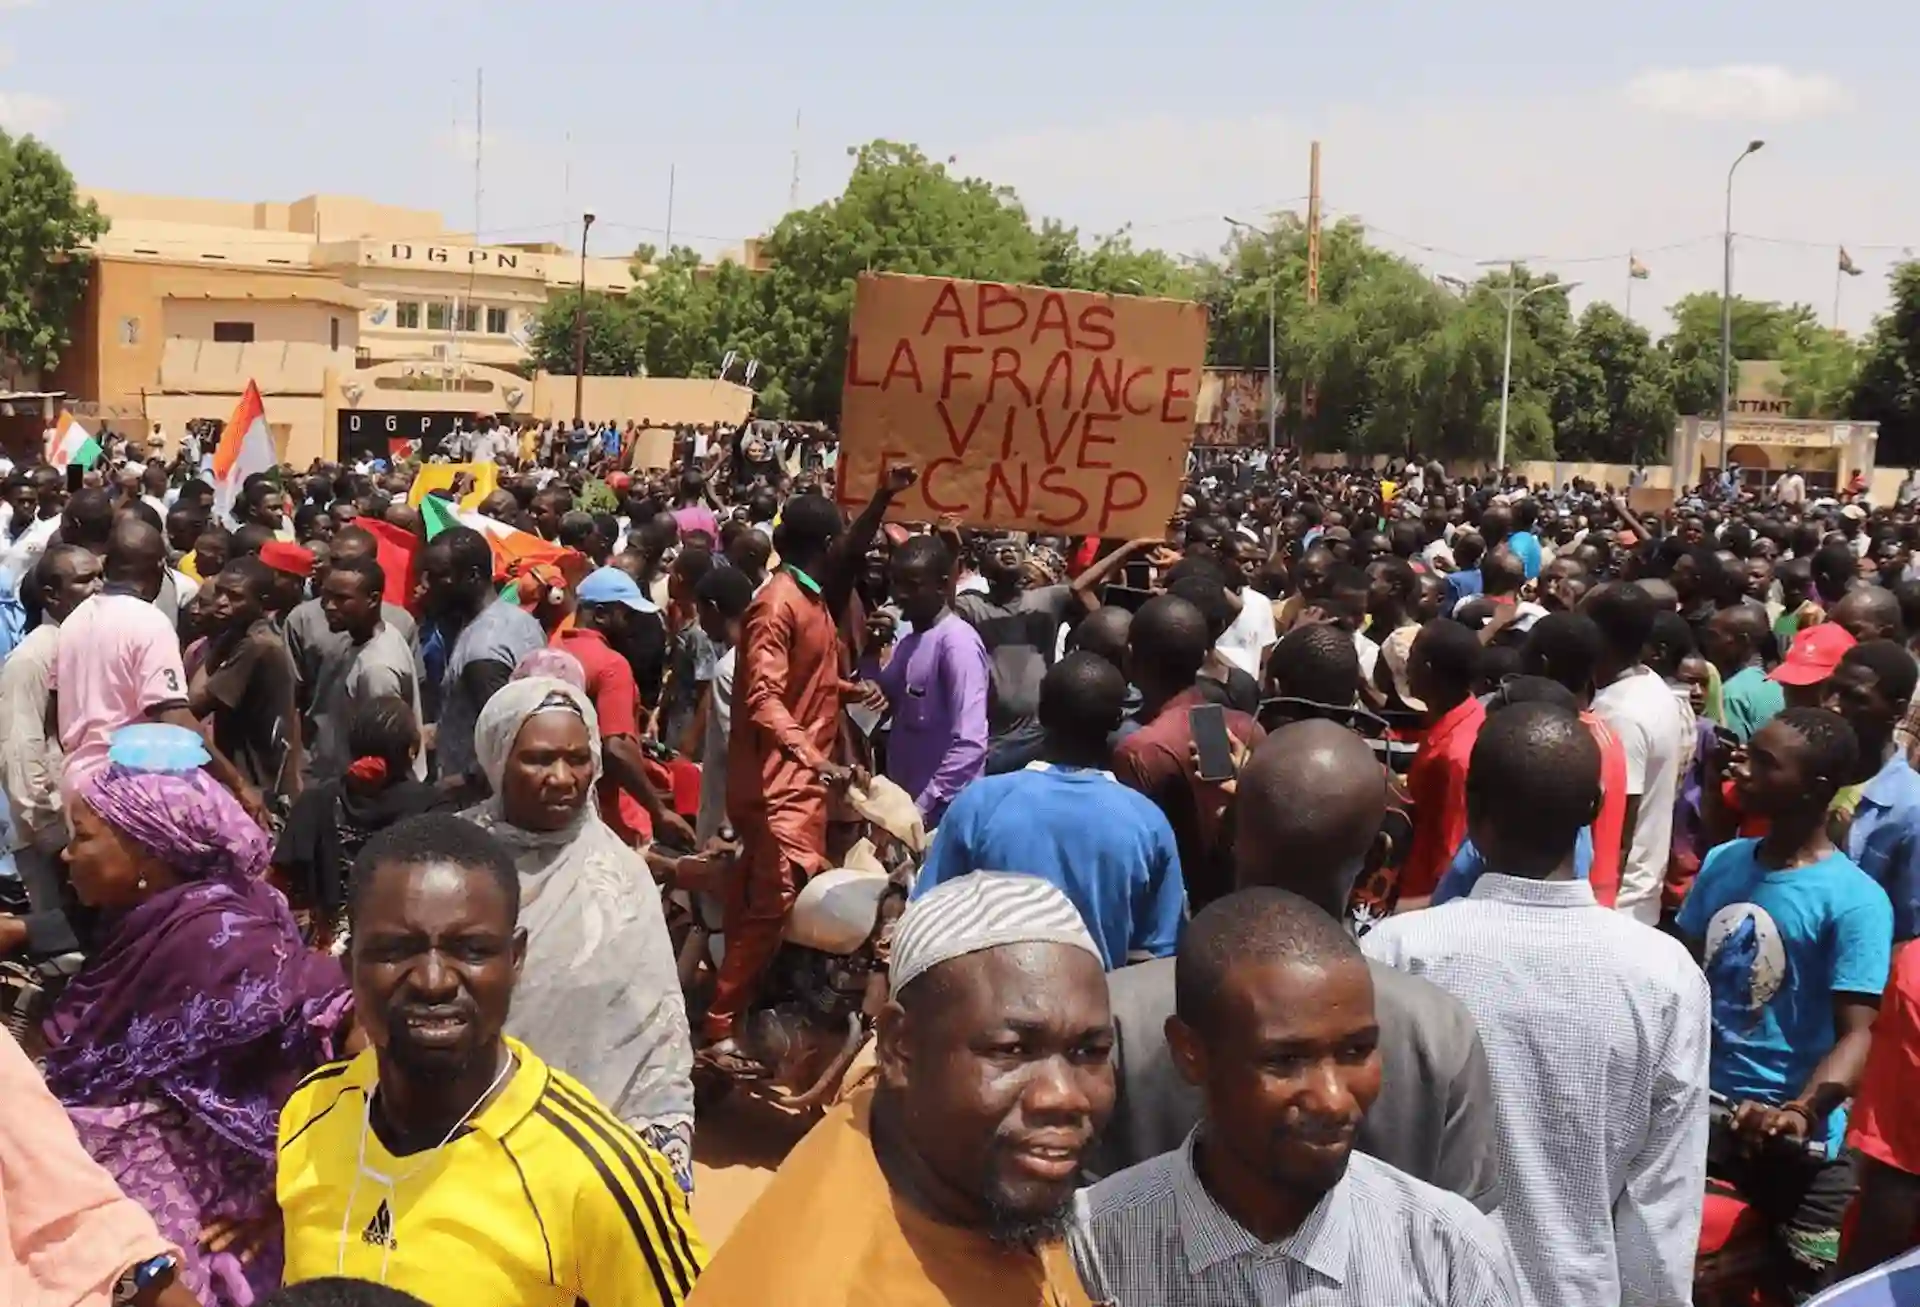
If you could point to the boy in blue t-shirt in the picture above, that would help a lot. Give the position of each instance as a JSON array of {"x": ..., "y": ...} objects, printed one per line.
[{"x": 1796, "y": 940}]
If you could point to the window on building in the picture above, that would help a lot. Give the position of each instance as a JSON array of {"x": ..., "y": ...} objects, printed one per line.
[
  {"x": 333, "y": 331},
  {"x": 406, "y": 314},
  {"x": 439, "y": 314},
  {"x": 469, "y": 317},
  {"x": 233, "y": 333},
  {"x": 496, "y": 322}
]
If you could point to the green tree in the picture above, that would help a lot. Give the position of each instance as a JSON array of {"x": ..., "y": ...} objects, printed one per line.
[
  {"x": 1887, "y": 388},
  {"x": 1616, "y": 400},
  {"x": 613, "y": 341},
  {"x": 1762, "y": 330},
  {"x": 44, "y": 263},
  {"x": 1112, "y": 266},
  {"x": 1821, "y": 367}
]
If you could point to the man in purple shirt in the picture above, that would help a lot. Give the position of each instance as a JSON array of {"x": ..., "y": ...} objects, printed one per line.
[{"x": 936, "y": 683}]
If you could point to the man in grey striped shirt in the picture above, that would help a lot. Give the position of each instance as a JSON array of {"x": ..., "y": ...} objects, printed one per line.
[{"x": 1268, "y": 1202}]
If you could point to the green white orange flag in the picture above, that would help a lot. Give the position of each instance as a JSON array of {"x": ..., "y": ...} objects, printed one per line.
[
  {"x": 513, "y": 550},
  {"x": 72, "y": 443},
  {"x": 246, "y": 447}
]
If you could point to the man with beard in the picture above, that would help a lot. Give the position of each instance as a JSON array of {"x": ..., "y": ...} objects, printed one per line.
[
  {"x": 446, "y": 1159},
  {"x": 950, "y": 1181},
  {"x": 1268, "y": 1201}
]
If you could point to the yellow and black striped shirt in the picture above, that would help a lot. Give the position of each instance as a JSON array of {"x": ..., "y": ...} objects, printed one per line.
[{"x": 545, "y": 1201}]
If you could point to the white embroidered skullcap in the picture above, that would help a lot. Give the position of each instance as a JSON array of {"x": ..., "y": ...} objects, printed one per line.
[{"x": 984, "y": 910}]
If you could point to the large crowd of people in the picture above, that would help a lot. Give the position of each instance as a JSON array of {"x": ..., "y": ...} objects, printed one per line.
[{"x": 1385, "y": 887}]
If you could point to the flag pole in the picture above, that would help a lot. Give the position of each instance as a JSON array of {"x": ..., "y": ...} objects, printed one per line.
[
  {"x": 1839, "y": 273},
  {"x": 1629, "y": 309}
]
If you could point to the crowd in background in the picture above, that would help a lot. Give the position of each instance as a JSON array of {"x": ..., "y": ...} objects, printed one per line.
[{"x": 1381, "y": 886}]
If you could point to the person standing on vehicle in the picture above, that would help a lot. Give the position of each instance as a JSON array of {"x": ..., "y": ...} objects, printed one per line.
[
  {"x": 1795, "y": 939},
  {"x": 1579, "y": 1008},
  {"x": 786, "y": 726}
]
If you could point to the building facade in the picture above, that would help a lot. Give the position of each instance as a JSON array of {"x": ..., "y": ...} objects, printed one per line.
[{"x": 344, "y": 312}]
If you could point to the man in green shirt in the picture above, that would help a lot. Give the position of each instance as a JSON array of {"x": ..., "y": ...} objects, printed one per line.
[{"x": 1734, "y": 639}]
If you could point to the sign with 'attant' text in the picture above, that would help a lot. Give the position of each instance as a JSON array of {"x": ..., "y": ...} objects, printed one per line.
[{"x": 1023, "y": 408}]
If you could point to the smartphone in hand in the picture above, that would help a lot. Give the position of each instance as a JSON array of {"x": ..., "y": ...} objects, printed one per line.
[{"x": 1214, "y": 746}]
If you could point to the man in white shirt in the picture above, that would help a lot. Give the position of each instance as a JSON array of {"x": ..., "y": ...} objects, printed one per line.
[
  {"x": 1790, "y": 491},
  {"x": 1640, "y": 709},
  {"x": 1597, "y": 1030},
  {"x": 1248, "y": 640}
]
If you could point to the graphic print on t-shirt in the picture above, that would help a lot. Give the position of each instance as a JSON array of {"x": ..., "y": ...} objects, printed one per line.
[{"x": 1746, "y": 963}]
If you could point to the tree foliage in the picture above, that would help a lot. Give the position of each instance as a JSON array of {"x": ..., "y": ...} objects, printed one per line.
[
  {"x": 1888, "y": 387},
  {"x": 1390, "y": 359},
  {"x": 44, "y": 232}
]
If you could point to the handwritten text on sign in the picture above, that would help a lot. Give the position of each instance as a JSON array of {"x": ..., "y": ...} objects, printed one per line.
[{"x": 1023, "y": 408}]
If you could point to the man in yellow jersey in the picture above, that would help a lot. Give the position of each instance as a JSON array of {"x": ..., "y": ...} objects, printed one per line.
[
  {"x": 950, "y": 1183},
  {"x": 447, "y": 1160}
]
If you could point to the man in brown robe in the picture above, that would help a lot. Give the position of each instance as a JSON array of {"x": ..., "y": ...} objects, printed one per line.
[{"x": 788, "y": 693}]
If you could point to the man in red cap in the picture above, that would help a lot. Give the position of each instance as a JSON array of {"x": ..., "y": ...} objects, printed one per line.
[
  {"x": 291, "y": 565},
  {"x": 1816, "y": 652}
]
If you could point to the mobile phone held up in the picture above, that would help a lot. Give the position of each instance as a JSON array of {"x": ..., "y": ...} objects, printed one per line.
[{"x": 1208, "y": 722}]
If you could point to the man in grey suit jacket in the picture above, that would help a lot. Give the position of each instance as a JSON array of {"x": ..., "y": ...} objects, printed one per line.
[{"x": 1309, "y": 809}]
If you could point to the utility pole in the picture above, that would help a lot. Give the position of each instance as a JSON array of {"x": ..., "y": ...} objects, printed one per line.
[
  {"x": 580, "y": 324},
  {"x": 1726, "y": 307},
  {"x": 670, "y": 182},
  {"x": 793, "y": 187}
]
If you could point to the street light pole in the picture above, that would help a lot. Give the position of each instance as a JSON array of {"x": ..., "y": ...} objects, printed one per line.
[
  {"x": 1726, "y": 307},
  {"x": 580, "y": 325},
  {"x": 1273, "y": 375},
  {"x": 1513, "y": 302}
]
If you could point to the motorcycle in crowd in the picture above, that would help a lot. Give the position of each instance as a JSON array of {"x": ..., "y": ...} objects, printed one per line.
[
  {"x": 1740, "y": 1262},
  {"x": 818, "y": 1000}
]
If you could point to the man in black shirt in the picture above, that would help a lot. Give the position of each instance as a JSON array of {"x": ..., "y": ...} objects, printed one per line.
[{"x": 245, "y": 680}]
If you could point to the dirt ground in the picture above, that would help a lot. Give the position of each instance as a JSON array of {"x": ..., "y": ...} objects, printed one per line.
[{"x": 737, "y": 1148}]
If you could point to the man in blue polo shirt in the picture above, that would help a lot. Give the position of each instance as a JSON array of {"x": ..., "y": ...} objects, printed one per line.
[
  {"x": 1066, "y": 820},
  {"x": 1871, "y": 688}
]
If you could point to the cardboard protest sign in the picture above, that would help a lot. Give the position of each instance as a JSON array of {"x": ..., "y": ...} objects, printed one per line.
[{"x": 1023, "y": 408}]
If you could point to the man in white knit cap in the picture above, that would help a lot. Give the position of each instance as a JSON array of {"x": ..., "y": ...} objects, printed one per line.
[{"x": 950, "y": 1180}]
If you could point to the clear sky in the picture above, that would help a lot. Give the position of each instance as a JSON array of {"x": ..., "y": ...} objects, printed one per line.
[{"x": 1478, "y": 129}]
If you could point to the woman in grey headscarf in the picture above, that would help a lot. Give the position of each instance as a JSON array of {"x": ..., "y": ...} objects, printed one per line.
[{"x": 599, "y": 995}]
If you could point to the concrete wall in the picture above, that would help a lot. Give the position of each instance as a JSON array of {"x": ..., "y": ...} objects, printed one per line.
[
  {"x": 663, "y": 401},
  {"x": 289, "y": 321},
  {"x": 1654, "y": 477},
  {"x": 120, "y": 333}
]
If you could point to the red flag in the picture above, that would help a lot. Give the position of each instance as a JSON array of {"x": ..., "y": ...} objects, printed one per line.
[{"x": 399, "y": 550}]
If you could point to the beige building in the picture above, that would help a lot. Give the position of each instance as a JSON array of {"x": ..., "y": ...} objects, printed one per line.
[{"x": 352, "y": 317}]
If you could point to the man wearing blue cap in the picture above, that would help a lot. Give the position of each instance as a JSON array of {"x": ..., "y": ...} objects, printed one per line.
[{"x": 617, "y": 627}]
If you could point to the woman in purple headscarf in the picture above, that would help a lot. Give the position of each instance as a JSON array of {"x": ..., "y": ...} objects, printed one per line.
[{"x": 193, "y": 1019}]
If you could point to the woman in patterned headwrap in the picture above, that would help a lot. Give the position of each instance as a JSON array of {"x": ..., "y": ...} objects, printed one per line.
[{"x": 194, "y": 1017}]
